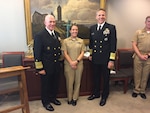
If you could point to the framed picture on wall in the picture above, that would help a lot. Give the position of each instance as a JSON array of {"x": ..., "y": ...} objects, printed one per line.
[{"x": 66, "y": 12}]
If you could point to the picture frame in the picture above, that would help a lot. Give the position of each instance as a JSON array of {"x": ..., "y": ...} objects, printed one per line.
[
  {"x": 29, "y": 30},
  {"x": 28, "y": 21}
]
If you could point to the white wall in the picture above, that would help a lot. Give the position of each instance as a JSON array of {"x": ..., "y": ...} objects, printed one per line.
[
  {"x": 12, "y": 26},
  {"x": 128, "y": 16}
]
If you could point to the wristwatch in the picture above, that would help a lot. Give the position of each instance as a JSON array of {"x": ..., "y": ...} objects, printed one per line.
[{"x": 78, "y": 61}]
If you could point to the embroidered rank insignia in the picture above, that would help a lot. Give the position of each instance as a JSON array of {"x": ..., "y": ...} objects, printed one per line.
[
  {"x": 112, "y": 56},
  {"x": 38, "y": 65}
]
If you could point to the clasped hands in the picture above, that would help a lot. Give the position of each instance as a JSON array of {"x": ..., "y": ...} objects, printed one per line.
[
  {"x": 145, "y": 56},
  {"x": 73, "y": 64}
]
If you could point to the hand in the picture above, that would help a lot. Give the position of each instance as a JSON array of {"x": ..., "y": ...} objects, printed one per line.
[
  {"x": 42, "y": 72},
  {"x": 73, "y": 64},
  {"x": 74, "y": 67},
  {"x": 90, "y": 58},
  {"x": 111, "y": 65},
  {"x": 143, "y": 57}
]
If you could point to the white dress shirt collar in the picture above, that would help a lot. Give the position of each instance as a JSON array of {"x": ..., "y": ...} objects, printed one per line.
[
  {"x": 100, "y": 25},
  {"x": 50, "y": 32}
]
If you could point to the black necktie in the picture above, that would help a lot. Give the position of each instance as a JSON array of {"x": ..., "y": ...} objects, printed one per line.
[
  {"x": 99, "y": 28},
  {"x": 53, "y": 35}
]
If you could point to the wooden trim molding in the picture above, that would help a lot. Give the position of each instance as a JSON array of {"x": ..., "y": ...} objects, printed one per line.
[{"x": 103, "y": 4}]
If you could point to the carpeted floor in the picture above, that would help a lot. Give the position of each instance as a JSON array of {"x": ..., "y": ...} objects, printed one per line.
[{"x": 116, "y": 103}]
